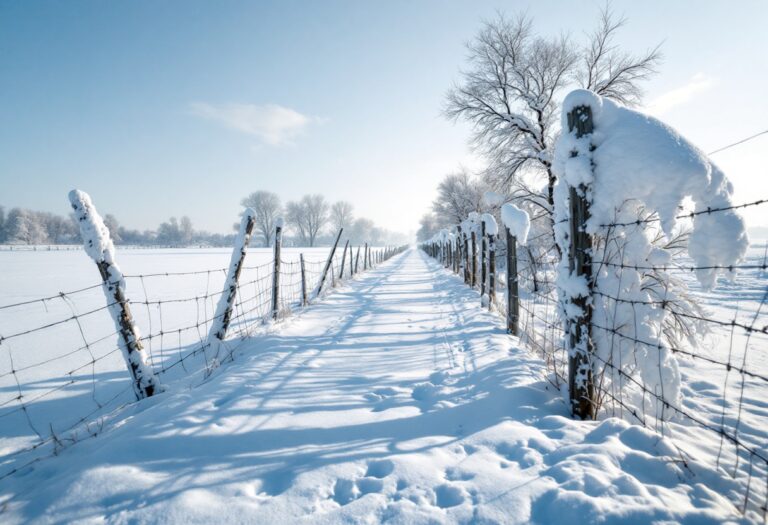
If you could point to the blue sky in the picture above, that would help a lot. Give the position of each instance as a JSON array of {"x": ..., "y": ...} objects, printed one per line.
[{"x": 173, "y": 108}]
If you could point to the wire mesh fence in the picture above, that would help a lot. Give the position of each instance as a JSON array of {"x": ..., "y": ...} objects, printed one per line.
[
  {"x": 710, "y": 397},
  {"x": 62, "y": 374}
]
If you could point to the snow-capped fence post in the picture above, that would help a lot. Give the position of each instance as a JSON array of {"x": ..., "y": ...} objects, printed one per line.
[
  {"x": 491, "y": 270},
  {"x": 580, "y": 344},
  {"x": 327, "y": 265},
  {"x": 343, "y": 260},
  {"x": 516, "y": 225},
  {"x": 276, "y": 269},
  {"x": 467, "y": 279},
  {"x": 456, "y": 255},
  {"x": 304, "y": 300},
  {"x": 473, "y": 281},
  {"x": 483, "y": 258},
  {"x": 98, "y": 245},
  {"x": 513, "y": 291},
  {"x": 226, "y": 302}
]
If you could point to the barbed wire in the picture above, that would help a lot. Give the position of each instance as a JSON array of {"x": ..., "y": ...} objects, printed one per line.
[
  {"x": 174, "y": 347},
  {"x": 545, "y": 332}
]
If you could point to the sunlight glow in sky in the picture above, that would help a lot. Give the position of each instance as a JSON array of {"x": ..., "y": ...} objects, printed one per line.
[{"x": 174, "y": 108}]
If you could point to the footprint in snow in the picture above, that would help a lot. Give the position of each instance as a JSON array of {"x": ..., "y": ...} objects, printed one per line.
[
  {"x": 347, "y": 490},
  {"x": 447, "y": 496}
]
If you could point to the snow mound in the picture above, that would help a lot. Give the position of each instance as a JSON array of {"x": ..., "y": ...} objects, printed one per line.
[
  {"x": 636, "y": 157},
  {"x": 491, "y": 226},
  {"x": 517, "y": 221}
]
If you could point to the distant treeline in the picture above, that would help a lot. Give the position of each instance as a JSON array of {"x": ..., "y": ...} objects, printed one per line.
[{"x": 309, "y": 222}]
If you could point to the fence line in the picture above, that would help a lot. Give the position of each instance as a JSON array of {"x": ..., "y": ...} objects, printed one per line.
[
  {"x": 51, "y": 401},
  {"x": 730, "y": 413}
]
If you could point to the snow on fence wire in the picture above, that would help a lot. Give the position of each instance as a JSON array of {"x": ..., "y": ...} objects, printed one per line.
[
  {"x": 53, "y": 393},
  {"x": 626, "y": 314}
]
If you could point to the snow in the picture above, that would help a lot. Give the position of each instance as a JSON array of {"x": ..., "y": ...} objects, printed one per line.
[
  {"x": 632, "y": 167},
  {"x": 638, "y": 157},
  {"x": 493, "y": 199},
  {"x": 336, "y": 417},
  {"x": 491, "y": 226},
  {"x": 172, "y": 304},
  {"x": 98, "y": 245},
  {"x": 517, "y": 221},
  {"x": 220, "y": 321}
]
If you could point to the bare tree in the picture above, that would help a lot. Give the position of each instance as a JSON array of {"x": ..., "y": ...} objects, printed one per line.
[
  {"x": 317, "y": 215},
  {"x": 428, "y": 227},
  {"x": 308, "y": 216},
  {"x": 341, "y": 215},
  {"x": 268, "y": 208},
  {"x": 361, "y": 230},
  {"x": 110, "y": 221},
  {"x": 294, "y": 214},
  {"x": 512, "y": 90},
  {"x": 610, "y": 72},
  {"x": 186, "y": 232},
  {"x": 457, "y": 195}
]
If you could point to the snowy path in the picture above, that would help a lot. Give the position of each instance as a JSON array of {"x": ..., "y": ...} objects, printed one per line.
[{"x": 395, "y": 399}]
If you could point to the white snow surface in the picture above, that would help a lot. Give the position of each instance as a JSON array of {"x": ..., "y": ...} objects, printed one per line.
[
  {"x": 397, "y": 399},
  {"x": 96, "y": 240},
  {"x": 517, "y": 221},
  {"x": 217, "y": 332},
  {"x": 491, "y": 226},
  {"x": 641, "y": 159}
]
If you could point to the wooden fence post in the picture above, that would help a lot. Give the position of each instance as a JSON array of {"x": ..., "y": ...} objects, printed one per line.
[
  {"x": 365, "y": 258},
  {"x": 467, "y": 279},
  {"x": 98, "y": 245},
  {"x": 223, "y": 314},
  {"x": 327, "y": 265},
  {"x": 344, "y": 259},
  {"x": 580, "y": 344},
  {"x": 473, "y": 282},
  {"x": 513, "y": 292},
  {"x": 304, "y": 300},
  {"x": 491, "y": 270},
  {"x": 357, "y": 259},
  {"x": 483, "y": 258},
  {"x": 276, "y": 271}
]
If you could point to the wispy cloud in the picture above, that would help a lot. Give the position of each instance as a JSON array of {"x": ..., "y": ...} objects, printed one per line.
[
  {"x": 272, "y": 124},
  {"x": 678, "y": 96}
]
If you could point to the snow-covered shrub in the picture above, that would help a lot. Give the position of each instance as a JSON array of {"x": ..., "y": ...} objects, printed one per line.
[{"x": 636, "y": 172}]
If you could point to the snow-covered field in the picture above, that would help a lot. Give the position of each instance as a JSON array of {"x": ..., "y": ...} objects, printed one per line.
[
  {"x": 71, "y": 369},
  {"x": 397, "y": 398}
]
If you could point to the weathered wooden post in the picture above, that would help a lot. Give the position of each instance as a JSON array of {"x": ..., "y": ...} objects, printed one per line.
[
  {"x": 458, "y": 255},
  {"x": 491, "y": 269},
  {"x": 304, "y": 301},
  {"x": 467, "y": 279},
  {"x": 357, "y": 259},
  {"x": 223, "y": 314},
  {"x": 513, "y": 291},
  {"x": 365, "y": 258},
  {"x": 483, "y": 258},
  {"x": 580, "y": 344},
  {"x": 344, "y": 259},
  {"x": 276, "y": 269},
  {"x": 474, "y": 259},
  {"x": 327, "y": 265},
  {"x": 98, "y": 245}
]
